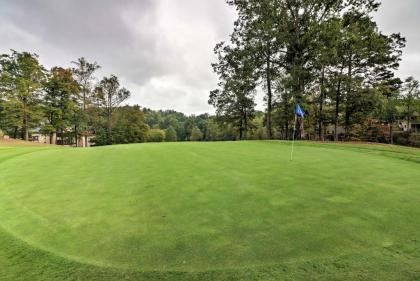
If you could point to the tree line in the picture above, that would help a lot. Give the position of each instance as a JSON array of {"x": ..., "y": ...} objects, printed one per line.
[
  {"x": 170, "y": 125},
  {"x": 328, "y": 56},
  {"x": 71, "y": 106},
  {"x": 66, "y": 104}
]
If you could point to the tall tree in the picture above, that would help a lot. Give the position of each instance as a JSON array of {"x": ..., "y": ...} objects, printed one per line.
[
  {"x": 234, "y": 100},
  {"x": 61, "y": 96},
  {"x": 21, "y": 82},
  {"x": 390, "y": 89},
  {"x": 362, "y": 56},
  {"x": 410, "y": 95},
  {"x": 84, "y": 74},
  {"x": 110, "y": 95},
  {"x": 282, "y": 35},
  {"x": 128, "y": 125},
  {"x": 254, "y": 32}
]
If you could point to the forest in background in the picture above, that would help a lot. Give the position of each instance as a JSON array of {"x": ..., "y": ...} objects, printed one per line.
[{"x": 71, "y": 104}]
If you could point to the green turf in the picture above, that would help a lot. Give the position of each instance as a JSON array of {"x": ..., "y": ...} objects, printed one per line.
[{"x": 210, "y": 211}]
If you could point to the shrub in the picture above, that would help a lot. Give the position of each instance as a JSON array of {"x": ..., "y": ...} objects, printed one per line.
[
  {"x": 170, "y": 134},
  {"x": 414, "y": 140},
  {"x": 156, "y": 135},
  {"x": 407, "y": 138},
  {"x": 196, "y": 134}
]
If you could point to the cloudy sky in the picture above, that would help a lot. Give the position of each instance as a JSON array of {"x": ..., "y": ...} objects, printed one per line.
[{"x": 161, "y": 49}]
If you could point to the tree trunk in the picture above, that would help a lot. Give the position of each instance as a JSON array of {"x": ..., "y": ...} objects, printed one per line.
[
  {"x": 15, "y": 133},
  {"x": 84, "y": 110},
  {"x": 109, "y": 116},
  {"x": 76, "y": 136},
  {"x": 391, "y": 137},
  {"x": 241, "y": 128},
  {"x": 337, "y": 105},
  {"x": 347, "y": 124},
  {"x": 269, "y": 99},
  {"x": 408, "y": 118},
  {"x": 84, "y": 97},
  {"x": 245, "y": 125},
  {"x": 337, "y": 110},
  {"x": 286, "y": 110},
  {"x": 321, "y": 106},
  {"x": 25, "y": 132},
  {"x": 348, "y": 112}
]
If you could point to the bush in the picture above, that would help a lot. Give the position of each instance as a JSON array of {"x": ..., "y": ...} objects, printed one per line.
[
  {"x": 407, "y": 138},
  {"x": 101, "y": 138},
  {"x": 156, "y": 135},
  {"x": 1, "y": 134},
  {"x": 129, "y": 126},
  {"x": 258, "y": 134},
  {"x": 414, "y": 140},
  {"x": 170, "y": 134},
  {"x": 196, "y": 134}
]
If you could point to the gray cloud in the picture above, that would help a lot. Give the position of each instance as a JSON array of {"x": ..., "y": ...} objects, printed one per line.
[
  {"x": 403, "y": 17},
  {"x": 161, "y": 49}
]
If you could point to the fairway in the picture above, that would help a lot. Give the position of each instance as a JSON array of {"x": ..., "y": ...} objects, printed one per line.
[{"x": 210, "y": 211}]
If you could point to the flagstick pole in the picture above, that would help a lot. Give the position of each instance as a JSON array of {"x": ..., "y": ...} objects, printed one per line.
[{"x": 293, "y": 140}]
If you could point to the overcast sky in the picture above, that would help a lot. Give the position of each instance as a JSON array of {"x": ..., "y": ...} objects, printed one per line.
[{"x": 160, "y": 49}]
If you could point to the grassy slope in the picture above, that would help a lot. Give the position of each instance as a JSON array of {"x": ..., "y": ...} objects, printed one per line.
[{"x": 229, "y": 211}]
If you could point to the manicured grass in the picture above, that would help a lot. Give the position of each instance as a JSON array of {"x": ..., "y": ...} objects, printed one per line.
[{"x": 210, "y": 211}]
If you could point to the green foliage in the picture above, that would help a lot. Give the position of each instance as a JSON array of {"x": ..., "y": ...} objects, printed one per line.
[
  {"x": 156, "y": 135},
  {"x": 109, "y": 95},
  {"x": 128, "y": 125},
  {"x": 407, "y": 138},
  {"x": 411, "y": 98},
  {"x": 170, "y": 134},
  {"x": 21, "y": 79},
  {"x": 234, "y": 101},
  {"x": 328, "y": 56},
  {"x": 101, "y": 137},
  {"x": 60, "y": 100},
  {"x": 83, "y": 73},
  {"x": 196, "y": 134}
]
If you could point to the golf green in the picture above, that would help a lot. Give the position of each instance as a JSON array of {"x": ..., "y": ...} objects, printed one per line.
[{"x": 222, "y": 208}]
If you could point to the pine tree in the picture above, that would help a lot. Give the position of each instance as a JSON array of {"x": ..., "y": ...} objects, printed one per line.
[{"x": 21, "y": 82}]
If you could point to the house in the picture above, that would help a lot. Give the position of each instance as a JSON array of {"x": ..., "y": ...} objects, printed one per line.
[
  {"x": 60, "y": 139},
  {"x": 414, "y": 125},
  {"x": 37, "y": 136},
  {"x": 330, "y": 130}
]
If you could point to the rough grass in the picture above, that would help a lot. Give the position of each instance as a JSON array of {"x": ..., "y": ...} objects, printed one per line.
[{"x": 210, "y": 211}]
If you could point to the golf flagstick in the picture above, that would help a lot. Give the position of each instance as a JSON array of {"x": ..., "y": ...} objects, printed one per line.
[{"x": 293, "y": 140}]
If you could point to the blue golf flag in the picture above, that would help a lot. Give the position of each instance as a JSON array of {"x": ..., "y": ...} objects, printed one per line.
[{"x": 299, "y": 111}]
